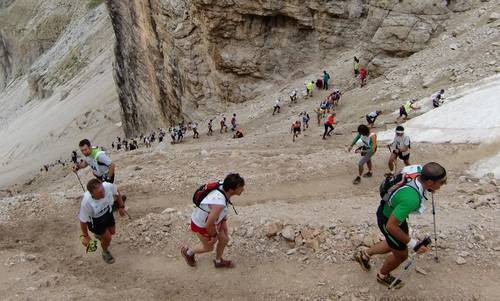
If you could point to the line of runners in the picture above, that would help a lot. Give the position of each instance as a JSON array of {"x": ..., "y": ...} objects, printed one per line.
[{"x": 209, "y": 220}]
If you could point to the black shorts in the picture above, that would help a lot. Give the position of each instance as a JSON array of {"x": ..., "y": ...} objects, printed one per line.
[
  {"x": 391, "y": 241},
  {"x": 370, "y": 120},
  {"x": 109, "y": 180},
  {"x": 101, "y": 224},
  {"x": 404, "y": 158},
  {"x": 402, "y": 111},
  {"x": 296, "y": 130}
]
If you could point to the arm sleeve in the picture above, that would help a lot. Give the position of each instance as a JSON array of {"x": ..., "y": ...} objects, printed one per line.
[
  {"x": 104, "y": 159},
  {"x": 356, "y": 139},
  {"x": 407, "y": 200}
]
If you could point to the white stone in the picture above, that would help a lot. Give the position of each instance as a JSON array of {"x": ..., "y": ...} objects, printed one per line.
[{"x": 460, "y": 260}]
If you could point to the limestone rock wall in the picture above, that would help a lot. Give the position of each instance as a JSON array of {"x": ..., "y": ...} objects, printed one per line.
[{"x": 176, "y": 59}]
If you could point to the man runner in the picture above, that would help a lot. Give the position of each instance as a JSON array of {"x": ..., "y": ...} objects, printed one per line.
[
  {"x": 392, "y": 220},
  {"x": 367, "y": 150},
  {"x": 405, "y": 109},
  {"x": 277, "y": 106},
  {"x": 295, "y": 129},
  {"x": 102, "y": 167},
  {"x": 437, "y": 98},
  {"x": 210, "y": 127},
  {"x": 223, "y": 126},
  {"x": 293, "y": 96},
  {"x": 96, "y": 214},
  {"x": 329, "y": 122},
  {"x": 400, "y": 148},
  {"x": 371, "y": 117},
  {"x": 209, "y": 222},
  {"x": 326, "y": 78}
]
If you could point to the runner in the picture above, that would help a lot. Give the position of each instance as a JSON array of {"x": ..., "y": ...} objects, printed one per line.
[
  {"x": 326, "y": 78},
  {"x": 295, "y": 129},
  {"x": 367, "y": 150},
  {"x": 335, "y": 97},
  {"x": 210, "y": 127},
  {"x": 400, "y": 148},
  {"x": 371, "y": 117},
  {"x": 173, "y": 134},
  {"x": 310, "y": 87},
  {"x": 180, "y": 132},
  {"x": 194, "y": 127},
  {"x": 356, "y": 67},
  {"x": 305, "y": 120},
  {"x": 74, "y": 157},
  {"x": 277, "y": 106},
  {"x": 209, "y": 222},
  {"x": 392, "y": 218},
  {"x": 238, "y": 133},
  {"x": 329, "y": 122},
  {"x": 233, "y": 122},
  {"x": 96, "y": 214},
  {"x": 320, "y": 113},
  {"x": 437, "y": 98},
  {"x": 223, "y": 126},
  {"x": 293, "y": 96},
  {"x": 362, "y": 76},
  {"x": 405, "y": 109},
  {"x": 101, "y": 165}
]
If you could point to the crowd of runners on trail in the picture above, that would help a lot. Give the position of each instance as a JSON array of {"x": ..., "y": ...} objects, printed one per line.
[{"x": 402, "y": 192}]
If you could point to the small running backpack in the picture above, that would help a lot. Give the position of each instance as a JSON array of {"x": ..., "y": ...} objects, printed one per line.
[
  {"x": 201, "y": 193},
  {"x": 392, "y": 183}
]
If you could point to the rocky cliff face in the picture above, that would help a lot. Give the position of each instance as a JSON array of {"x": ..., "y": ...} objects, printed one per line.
[{"x": 178, "y": 58}]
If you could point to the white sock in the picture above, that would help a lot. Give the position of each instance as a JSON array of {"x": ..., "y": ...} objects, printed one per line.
[{"x": 189, "y": 252}]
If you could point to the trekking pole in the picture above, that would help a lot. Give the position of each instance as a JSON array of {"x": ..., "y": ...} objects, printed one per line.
[
  {"x": 436, "y": 258},
  {"x": 425, "y": 242},
  {"x": 80, "y": 181}
]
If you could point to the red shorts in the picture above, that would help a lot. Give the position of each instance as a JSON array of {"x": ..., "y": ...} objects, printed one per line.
[{"x": 203, "y": 231}]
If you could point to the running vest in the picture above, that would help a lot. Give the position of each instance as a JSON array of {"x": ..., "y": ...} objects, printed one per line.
[
  {"x": 367, "y": 141},
  {"x": 412, "y": 172},
  {"x": 407, "y": 107},
  {"x": 99, "y": 168},
  {"x": 421, "y": 195}
]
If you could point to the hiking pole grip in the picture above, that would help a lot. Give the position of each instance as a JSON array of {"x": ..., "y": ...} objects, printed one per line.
[{"x": 425, "y": 242}]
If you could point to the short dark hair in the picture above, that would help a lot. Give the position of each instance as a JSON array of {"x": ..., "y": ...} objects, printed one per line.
[
  {"x": 433, "y": 171},
  {"x": 93, "y": 184},
  {"x": 363, "y": 130},
  {"x": 233, "y": 181},
  {"x": 84, "y": 142}
]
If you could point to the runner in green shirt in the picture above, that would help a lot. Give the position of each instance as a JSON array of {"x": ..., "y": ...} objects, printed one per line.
[{"x": 392, "y": 221}]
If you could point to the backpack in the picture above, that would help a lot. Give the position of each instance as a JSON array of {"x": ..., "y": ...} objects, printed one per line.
[
  {"x": 201, "y": 193},
  {"x": 391, "y": 184}
]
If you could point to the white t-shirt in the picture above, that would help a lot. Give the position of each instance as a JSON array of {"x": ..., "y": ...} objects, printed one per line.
[
  {"x": 399, "y": 141},
  {"x": 90, "y": 208},
  {"x": 199, "y": 217},
  {"x": 99, "y": 169},
  {"x": 373, "y": 114}
]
